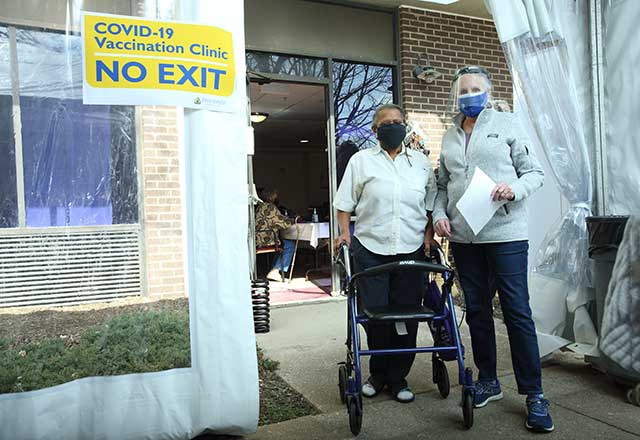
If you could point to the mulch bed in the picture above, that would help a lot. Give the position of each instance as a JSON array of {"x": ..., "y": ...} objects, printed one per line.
[{"x": 27, "y": 325}]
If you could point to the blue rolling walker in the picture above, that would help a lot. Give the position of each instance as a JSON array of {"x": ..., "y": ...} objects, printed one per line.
[{"x": 350, "y": 371}]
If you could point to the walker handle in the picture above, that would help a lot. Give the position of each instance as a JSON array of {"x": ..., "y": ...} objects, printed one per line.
[
  {"x": 404, "y": 265},
  {"x": 343, "y": 258}
]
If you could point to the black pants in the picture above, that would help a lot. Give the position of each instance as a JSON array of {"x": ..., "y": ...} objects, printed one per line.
[{"x": 404, "y": 288}]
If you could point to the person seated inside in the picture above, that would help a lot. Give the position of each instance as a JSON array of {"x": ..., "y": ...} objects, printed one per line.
[{"x": 269, "y": 223}]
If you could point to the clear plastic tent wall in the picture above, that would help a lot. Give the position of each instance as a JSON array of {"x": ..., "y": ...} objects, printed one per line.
[
  {"x": 541, "y": 66},
  {"x": 86, "y": 351}
]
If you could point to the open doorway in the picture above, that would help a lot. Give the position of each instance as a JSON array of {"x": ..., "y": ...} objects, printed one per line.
[{"x": 291, "y": 156}]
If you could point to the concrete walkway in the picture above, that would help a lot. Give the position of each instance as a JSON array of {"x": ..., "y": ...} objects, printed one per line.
[{"x": 308, "y": 341}]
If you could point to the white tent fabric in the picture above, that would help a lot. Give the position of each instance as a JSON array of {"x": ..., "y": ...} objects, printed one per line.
[
  {"x": 539, "y": 60},
  {"x": 549, "y": 316},
  {"x": 622, "y": 88},
  {"x": 520, "y": 17},
  {"x": 620, "y": 333},
  {"x": 220, "y": 391}
]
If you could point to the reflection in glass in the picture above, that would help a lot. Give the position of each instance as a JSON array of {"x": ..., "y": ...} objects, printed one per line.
[
  {"x": 49, "y": 64},
  {"x": 358, "y": 90},
  {"x": 73, "y": 156},
  {"x": 286, "y": 65},
  {"x": 79, "y": 160},
  {"x": 8, "y": 195}
]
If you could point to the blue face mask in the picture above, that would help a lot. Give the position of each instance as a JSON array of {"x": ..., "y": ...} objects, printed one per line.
[{"x": 472, "y": 104}]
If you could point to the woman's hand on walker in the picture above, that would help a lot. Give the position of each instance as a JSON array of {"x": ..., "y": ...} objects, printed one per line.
[
  {"x": 342, "y": 238},
  {"x": 443, "y": 228},
  {"x": 429, "y": 241}
]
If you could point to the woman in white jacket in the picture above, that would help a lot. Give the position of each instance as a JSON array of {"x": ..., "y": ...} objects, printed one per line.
[{"x": 495, "y": 257}]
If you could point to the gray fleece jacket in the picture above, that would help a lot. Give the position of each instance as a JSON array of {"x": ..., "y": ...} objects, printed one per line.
[{"x": 500, "y": 148}]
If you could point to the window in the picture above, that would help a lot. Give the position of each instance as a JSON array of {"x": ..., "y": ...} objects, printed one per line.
[
  {"x": 358, "y": 89},
  {"x": 286, "y": 65},
  {"x": 79, "y": 161},
  {"x": 8, "y": 195}
]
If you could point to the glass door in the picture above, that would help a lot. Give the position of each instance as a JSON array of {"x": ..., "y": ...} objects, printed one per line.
[{"x": 353, "y": 91}]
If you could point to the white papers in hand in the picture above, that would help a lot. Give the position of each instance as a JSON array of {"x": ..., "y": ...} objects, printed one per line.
[{"x": 476, "y": 205}]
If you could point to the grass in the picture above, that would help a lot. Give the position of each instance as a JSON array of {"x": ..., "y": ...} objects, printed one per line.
[{"x": 132, "y": 342}]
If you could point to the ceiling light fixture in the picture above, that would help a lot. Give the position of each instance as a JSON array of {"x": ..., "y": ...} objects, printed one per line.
[
  {"x": 259, "y": 117},
  {"x": 304, "y": 141}
]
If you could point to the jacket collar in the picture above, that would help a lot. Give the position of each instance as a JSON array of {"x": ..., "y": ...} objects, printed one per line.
[
  {"x": 378, "y": 149},
  {"x": 458, "y": 118}
]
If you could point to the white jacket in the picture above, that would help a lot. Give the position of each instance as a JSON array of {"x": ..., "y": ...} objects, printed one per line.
[{"x": 500, "y": 148}]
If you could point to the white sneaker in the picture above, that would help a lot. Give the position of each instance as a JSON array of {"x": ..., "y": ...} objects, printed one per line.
[
  {"x": 274, "y": 275},
  {"x": 405, "y": 396},
  {"x": 368, "y": 390}
]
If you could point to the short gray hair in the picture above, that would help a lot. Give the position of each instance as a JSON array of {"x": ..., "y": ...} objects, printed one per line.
[{"x": 385, "y": 107}]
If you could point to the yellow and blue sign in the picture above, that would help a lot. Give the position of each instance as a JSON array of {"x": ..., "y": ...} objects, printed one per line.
[{"x": 130, "y": 60}]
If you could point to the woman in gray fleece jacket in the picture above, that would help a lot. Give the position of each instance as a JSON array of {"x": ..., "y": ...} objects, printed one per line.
[{"x": 497, "y": 256}]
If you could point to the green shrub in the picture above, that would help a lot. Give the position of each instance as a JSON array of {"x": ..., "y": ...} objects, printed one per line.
[{"x": 132, "y": 343}]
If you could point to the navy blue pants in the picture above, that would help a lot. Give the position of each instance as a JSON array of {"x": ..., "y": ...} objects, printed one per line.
[
  {"x": 391, "y": 288},
  {"x": 503, "y": 266}
]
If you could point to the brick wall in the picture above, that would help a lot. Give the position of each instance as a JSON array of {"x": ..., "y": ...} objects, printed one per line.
[
  {"x": 451, "y": 41},
  {"x": 162, "y": 201}
]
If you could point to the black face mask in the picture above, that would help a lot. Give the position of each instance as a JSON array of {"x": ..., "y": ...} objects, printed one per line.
[{"x": 391, "y": 135}]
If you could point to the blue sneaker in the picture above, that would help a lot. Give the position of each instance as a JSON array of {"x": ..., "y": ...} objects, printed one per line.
[
  {"x": 487, "y": 392},
  {"x": 538, "y": 418}
]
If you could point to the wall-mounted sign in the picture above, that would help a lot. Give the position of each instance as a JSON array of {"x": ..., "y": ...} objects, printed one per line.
[{"x": 128, "y": 60}]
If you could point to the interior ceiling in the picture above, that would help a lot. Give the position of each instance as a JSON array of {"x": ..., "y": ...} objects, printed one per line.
[
  {"x": 472, "y": 8},
  {"x": 296, "y": 112}
]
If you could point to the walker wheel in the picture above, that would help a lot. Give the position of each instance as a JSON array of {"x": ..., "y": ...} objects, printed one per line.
[
  {"x": 467, "y": 408},
  {"x": 633, "y": 395},
  {"x": 354, "y": 407},
  {"x": 441, "y": 377},
  {"x": 342, "y": 383}
]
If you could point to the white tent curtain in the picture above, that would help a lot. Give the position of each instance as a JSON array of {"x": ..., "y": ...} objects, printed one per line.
[
  {"x": 219, "y": 391},
  {"x": 540, "y": 62},
  {"x": 621, "y": 89}
]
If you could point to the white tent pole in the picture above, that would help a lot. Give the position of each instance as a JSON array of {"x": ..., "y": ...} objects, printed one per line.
[
  {"x": 597, "y": 68},
  {"x": 251, "y": 233}
]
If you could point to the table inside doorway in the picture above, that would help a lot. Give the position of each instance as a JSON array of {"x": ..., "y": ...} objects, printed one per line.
[
  {"x": 314, "y": 233},
  {"x": 310, "y": 232}
]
